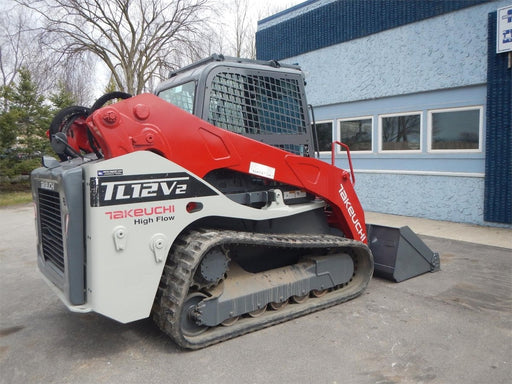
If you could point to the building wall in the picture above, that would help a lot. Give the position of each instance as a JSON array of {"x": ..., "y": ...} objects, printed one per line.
[
  {"x": 436, "y": 185},
  {"x": 435, "y": 196},
  {"x": 316, "y": 24},
  {"x": 436, "y": 63},
  {"x": 403, "y": 60}
]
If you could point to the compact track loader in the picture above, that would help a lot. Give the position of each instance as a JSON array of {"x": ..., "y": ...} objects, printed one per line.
[{"x": 202, "y": 205}]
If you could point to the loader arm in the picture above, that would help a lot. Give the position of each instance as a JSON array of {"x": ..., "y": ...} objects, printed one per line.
[{"x": 146, "y": 122}]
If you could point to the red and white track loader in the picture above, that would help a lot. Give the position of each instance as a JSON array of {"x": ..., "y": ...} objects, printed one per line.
[{"x": 204, "y": 206}]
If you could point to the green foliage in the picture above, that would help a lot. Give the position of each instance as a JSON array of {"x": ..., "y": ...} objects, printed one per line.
[
  {"x": 111, "y": 86},
  {"x": 25, "y": 119},
  {"x": 63, "y": 97},
  {"x": 13, "y": 166},
  {"x": 7, "y": 131},
  {"x": 25, "y": 116}
]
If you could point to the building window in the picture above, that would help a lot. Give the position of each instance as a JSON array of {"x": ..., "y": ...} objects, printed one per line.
[
  {"x": 324, "y": 134},
  {"x": 356, "y": 133},
  {"x": 400, "y": 132},
  {"x": 455, "y": 129}
]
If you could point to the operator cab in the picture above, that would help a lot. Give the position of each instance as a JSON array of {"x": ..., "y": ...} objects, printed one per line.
[{"x": 261, "y": 100}]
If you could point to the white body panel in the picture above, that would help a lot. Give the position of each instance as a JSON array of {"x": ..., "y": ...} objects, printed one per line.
[{"x": 127, "y": 244}]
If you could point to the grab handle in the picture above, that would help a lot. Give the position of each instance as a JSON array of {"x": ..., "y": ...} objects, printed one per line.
[{"x": 333, "y": 155}]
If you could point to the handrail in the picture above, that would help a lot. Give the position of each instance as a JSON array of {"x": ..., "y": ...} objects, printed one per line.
[
  {"x": 316, "y": 144},
  {"x": 333, "y": 156}
]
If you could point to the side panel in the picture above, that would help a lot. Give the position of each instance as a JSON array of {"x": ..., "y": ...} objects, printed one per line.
[{"x": 133, "y": 216}]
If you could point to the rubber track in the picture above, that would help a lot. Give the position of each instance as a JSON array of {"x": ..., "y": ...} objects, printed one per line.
[{"x": 187, "y": 251}]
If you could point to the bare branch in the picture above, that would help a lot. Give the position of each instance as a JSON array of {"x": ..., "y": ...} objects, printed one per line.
[{"x": 134, "y": 38}]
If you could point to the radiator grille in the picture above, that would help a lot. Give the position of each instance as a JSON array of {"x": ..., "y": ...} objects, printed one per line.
[{"x": 51, "y": 228}]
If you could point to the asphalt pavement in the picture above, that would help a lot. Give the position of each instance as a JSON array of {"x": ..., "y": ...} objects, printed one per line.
[{"x": 448, "y": 327}]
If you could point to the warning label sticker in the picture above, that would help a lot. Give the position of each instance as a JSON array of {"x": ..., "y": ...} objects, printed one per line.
[{"x": 262, "y": 170}]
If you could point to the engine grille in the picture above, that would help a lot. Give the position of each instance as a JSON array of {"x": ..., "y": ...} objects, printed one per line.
[{"x": 50, "y": 219}]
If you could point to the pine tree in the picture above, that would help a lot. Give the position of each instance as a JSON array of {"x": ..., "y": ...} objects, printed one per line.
[
  {"x": 7, "y": 123},
  {"x": 62, "y": 98},
  {"x": 24, "y": 121},
  {"x": 111, "y": 86},
  {"x": 32, "y": 116}
]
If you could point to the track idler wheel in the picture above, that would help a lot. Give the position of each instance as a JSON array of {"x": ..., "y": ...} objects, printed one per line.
[{"x": 188, "y": 322}]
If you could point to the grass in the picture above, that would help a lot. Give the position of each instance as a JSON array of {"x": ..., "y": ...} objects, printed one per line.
[{"x": 14, "y": 197}]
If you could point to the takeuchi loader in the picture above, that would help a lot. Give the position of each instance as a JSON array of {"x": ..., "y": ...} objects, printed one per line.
[{"x": 204, "y": 206}]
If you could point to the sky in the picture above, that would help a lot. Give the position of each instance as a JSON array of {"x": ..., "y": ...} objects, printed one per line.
[
  {"x": 262, "y": 6},
  {"x": 257, "y": 10}
]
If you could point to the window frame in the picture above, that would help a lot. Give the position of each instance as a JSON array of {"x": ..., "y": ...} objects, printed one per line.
[
  {"x": 372, "y": 131},
  {"x": 430, "y": 119},
  {"x": 397, "y": 151}
]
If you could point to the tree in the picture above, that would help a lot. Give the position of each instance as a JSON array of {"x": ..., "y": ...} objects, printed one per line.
[
  {"x": 7, "y": 124},
  {"x": 23, "y": 126},
  {"x": 75, "y": 75},
  {"x": 12, "y": 51},
  {"x": 22, "y": 45},
  {"x": 32, "y": 115},
  {"x": 135, "y": 39},
  {"x": 64, "y": 97},
  {"x": 111, "y": 86},
  {"x": 237, "y": 35},
  {"x": 241, "y": 27},
  {"x": 12, "y": 44}
]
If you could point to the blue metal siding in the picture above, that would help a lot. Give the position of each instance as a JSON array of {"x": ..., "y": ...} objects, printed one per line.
[
  {"x": 498, "y": 164},
  {"x": 346, "y": 20}
]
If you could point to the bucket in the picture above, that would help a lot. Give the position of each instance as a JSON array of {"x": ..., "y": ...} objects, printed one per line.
[{"x": 399, "y": 253}]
